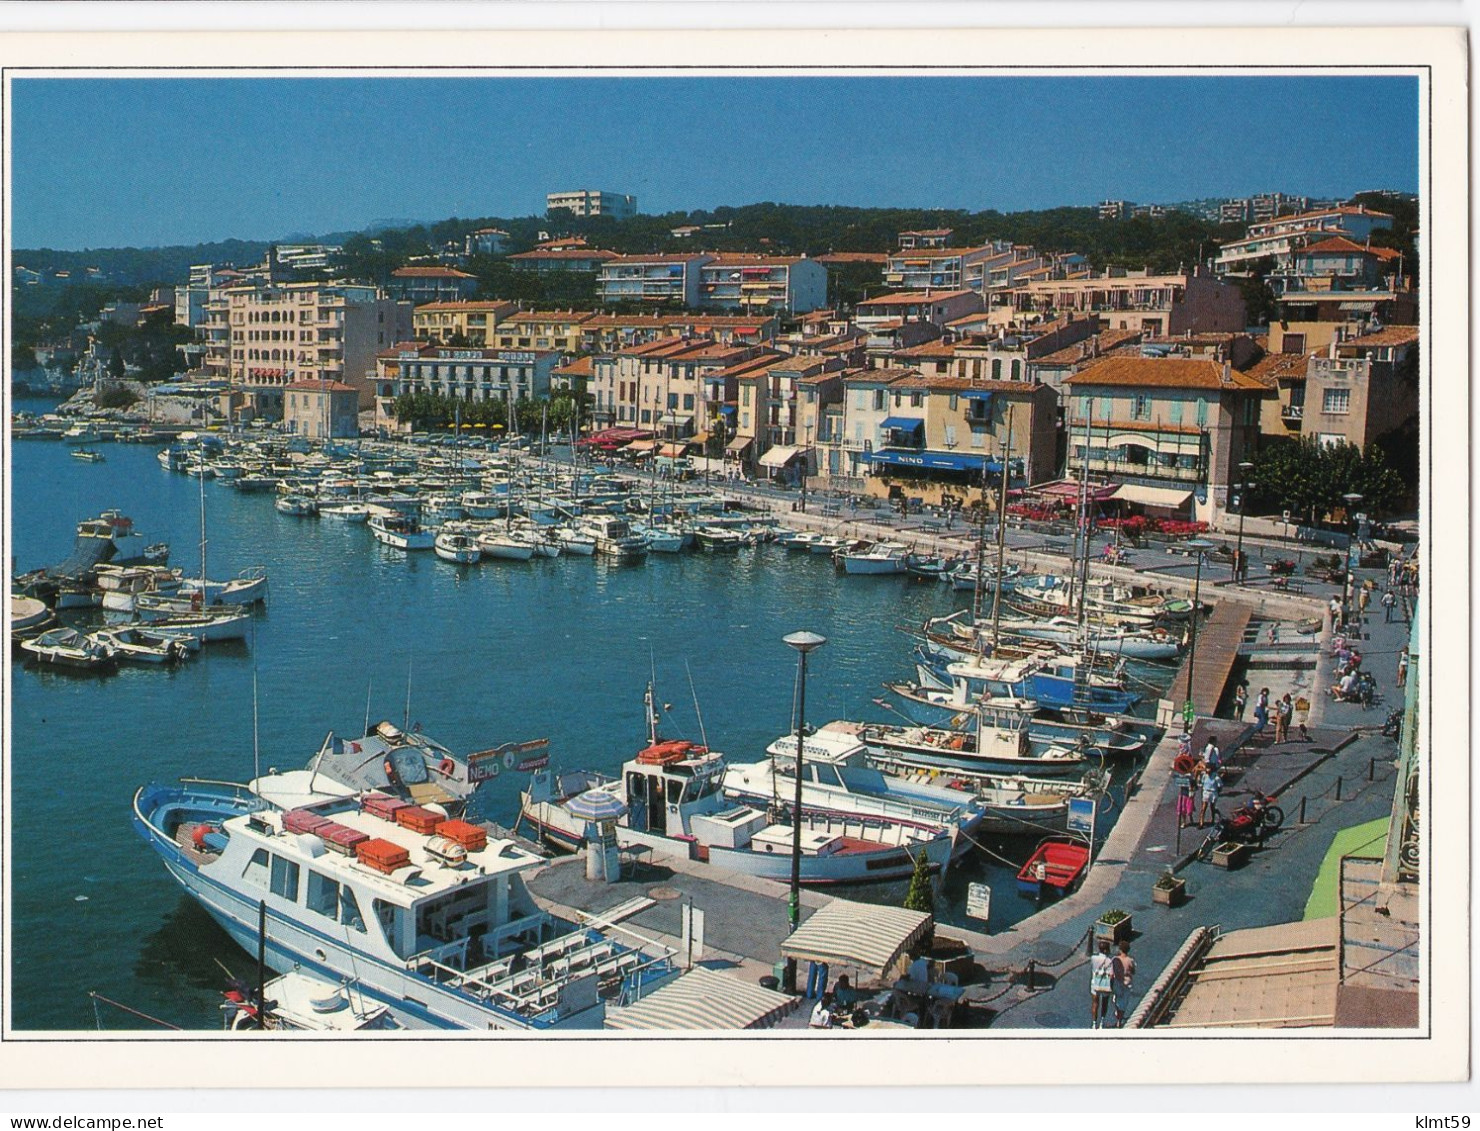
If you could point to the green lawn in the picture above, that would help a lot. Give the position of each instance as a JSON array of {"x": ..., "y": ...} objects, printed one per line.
[{"x": 1366, "y": 840}]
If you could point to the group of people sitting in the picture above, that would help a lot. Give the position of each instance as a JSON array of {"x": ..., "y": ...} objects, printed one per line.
[{"x": 1353, "y": 685}]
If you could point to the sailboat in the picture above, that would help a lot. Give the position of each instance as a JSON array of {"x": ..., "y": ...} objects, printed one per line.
[{"x": 247, "y": 588}]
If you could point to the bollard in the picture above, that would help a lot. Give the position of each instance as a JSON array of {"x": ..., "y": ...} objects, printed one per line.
[
  {"x": 1032, "y": 975},
  {"x": 1302, "y": 810},
  {"x": 1338, "y": 789}
]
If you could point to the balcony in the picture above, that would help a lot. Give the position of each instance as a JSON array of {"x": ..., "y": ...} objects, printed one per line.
[{"x": 1292, "y": 413}]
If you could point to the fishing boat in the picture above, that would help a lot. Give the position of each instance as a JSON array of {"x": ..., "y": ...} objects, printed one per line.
[
  {"x": 572, "y": 541},
  {"x": 247, "y": 588},
  {"x": 298, "y": 506},
  {"x": 507, "y": 545},
  {"x": 670, "y": 797},
  {"x": 346, "y": 512},
  {"x": 437, "y": 509},
  {"x": 614, "y": 537},
  {"x": 132, "y": 645},
  {"x": 68, "y": 648},
  {"x": 931, "y": 567},
  {"x": 458, "y": 548},
  {"x": 719, "y": 539},
  {"x": 482, "y": 504},
  {"x": 296, "y": 1002},
  {"x": 87, "y": 455},
  {"x": 1057, "y": 864},
  {"x": 427, "y": 914},
  {"x": 81, "y": 434},
  {"x": 964, "y": 577},
  {"x": 1052, "y": 680},
  {"x": 880, "y": 558},
  {"x": 660, "y": 540},
  {"x": 985, "y": 744},
  {"x": 400, "y": 531},
  {"x": 111, "y": 537},
  {"x": 224, "y": 622},
  {"x": 837, "y": 779}
]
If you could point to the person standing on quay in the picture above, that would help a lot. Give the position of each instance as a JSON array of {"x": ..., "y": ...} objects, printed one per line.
[
  {"x": 1261, "y": 711},
  {"x": 1240, "y": 700},
  {"x": 1388, "y": 601},
  {"x": 1101, "y": 985},
  {"x": 1284, "y": 711},
  {"x": 1123, "y": 972},
  {"x": 1403, "y": 668}
]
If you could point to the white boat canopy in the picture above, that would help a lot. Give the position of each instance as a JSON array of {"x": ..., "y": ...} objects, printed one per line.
[
  {"x": 779, "y": 456},
  {"x": 703, "y": 999},
  {"x": 857, "y": 934},
  {"x": 1168, "y": 497}
]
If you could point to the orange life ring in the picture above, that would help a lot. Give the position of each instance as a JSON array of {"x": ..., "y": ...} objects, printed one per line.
[
  {"x": 446, "y": 767},
  {"x": 1184, "y": 764}
]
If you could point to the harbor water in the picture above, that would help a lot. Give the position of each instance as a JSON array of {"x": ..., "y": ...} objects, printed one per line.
[{"x": 477, "y": 656}]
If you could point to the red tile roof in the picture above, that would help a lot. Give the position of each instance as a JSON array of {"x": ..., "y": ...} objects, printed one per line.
[
  {"x": 430, "y": 273},
  {"x": 324, "y": 386},
  {"x": 1163, "y": 372},
  {"x": 876, "y": 257},
  {"x": 566, "y": 253},
  {"x": 900, "y": 297},
  {"x": 1388, "y": 336}
]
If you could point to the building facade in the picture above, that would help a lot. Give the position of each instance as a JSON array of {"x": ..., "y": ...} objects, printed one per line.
[
  {"x": 592, "y": 202},
  {"x": 467, "y": 374},
  {"x": 421, "y": 285},
  {"x": 766, "y": 285},
  {"x": 643, "y": 279},
  {"x": 322, "y": 410},
  {"x": 1138, "y": 300},
  {"x": 468, "y": 323}
]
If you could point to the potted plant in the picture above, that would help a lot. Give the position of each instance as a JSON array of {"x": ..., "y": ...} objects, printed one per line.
[
  {"x": 1113, "y": 925},
  {"x": 1170, "y": 890}
]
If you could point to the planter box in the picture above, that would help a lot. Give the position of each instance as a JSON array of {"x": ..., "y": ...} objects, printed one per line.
[
  {"x": 1114, "y": 932},
  {"x": 1230, "y": 856},
  {"x": 1173, "y": 896}
]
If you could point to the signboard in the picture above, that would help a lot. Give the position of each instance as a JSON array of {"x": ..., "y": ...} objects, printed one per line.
[
  {"x": 978, "y": 901},
  {"x": 486, "y": 764},
  {"x": 1082, "y": 816}
]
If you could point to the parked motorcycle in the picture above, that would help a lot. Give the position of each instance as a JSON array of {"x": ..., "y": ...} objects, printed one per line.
[{"x": 1253, "y": 822}]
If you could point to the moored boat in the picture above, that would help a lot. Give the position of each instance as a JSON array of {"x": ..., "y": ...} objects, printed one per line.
[
  {"x": 400, "y": 531},
  {"x": 458, "y": 548},
  {"x": 68, "y": 648},
  {"x": 1057, "y": 864}
]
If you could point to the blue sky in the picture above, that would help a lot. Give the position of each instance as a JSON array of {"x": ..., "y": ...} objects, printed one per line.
[{"x": 114, "y": 162}]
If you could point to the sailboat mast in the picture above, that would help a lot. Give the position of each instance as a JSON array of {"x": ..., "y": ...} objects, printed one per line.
[
  {"x": 1001, "y": 534},
  {"x": 1082, "y": 540},
  {"x": 200, "y": 475},
  {"x": 981, "y": 548}
]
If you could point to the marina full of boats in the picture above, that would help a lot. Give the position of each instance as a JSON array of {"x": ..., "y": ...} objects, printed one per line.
[{"x": 998, "y": 732}]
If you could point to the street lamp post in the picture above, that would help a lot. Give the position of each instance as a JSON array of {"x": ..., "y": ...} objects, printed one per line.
[
  {"x": 1200, "y": 546},
  {"x": 1348, "y": 579},
  {"x": 1243, "y": 489},
  {"x": 804, "y": 643}
]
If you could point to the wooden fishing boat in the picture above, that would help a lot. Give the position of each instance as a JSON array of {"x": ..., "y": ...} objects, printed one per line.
[{"x": 1057, "y": 864}]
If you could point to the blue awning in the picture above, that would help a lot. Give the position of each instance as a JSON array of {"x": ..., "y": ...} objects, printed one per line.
[
  {"x": 937, "y": 461},
  {"x": 727, "y": 410},
  {"x": 977, "y": 395},
  {"x": 903, "y": 424}
]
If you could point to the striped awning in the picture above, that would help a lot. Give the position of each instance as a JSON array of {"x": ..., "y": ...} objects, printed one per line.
[
  {"x": 703, "y": 999},
  {"x": 860, "y": 935},
  {"x": 672, "y": 451}
]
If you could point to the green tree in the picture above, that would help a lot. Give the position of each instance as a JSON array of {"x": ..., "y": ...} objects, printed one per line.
[
  {"x": 921, "y": 896},
  {"x": 115, "y": 364},
  {"x": 1310, "y": 479}
]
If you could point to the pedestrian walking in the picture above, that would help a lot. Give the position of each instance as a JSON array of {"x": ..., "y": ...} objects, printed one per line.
[
  {"x": 1335, "y": 609},
  {"x": 1212, "y": 786},
  {"x": 1261, "y": 711},
  {"x": 1123, "y": 972},
  {"x": 1403, "y": 668},
  {"x": 1362, "y": 598},
  {"x": 1388, "y": 601},
  {"x": 1284, "y": 711},
  {"x": 1240, "y": 700},
  {"x": 1101, "y": 985}
]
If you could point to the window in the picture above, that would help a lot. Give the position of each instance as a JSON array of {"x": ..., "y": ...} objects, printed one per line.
[
  {"x": 1336, "y": 400},
  {"x": 1017, "y": 370},
  {"x": 950, "y": 435},
  {"x": 1175, "y": 412},
  {"x": 1202, "y": 412},
  {"x": 1107, "y": 405},
  {"x": 978, "y": 439},
  {"x": 996, "y": 369},
  {"x": 880, "y": 400},
  {"x": 256, "y": 870},
  {"x": 917, "y": 399},
  {"x": 688, "y": 400},
  {"x": 1292, "y": 343},
  {"x": 1140, "y": 407},
  {"x": 955, "y": 400},
  {"x": 323, "y": 895},
  {"x": 284, "y": 878}
]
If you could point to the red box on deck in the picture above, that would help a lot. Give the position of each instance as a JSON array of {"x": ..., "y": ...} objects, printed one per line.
[
  {"x": 303, "y": 821},
  {"x": 381, "y": 805},
  {"x": 341, "y": 838},
  {"x": 418, "y": 820},
  {"x": 382, "y": 855},
  {"x": 474, "y": 838}
]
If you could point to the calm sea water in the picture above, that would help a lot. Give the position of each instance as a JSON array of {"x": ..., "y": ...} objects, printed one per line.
[{"x": 501, "y": 652}]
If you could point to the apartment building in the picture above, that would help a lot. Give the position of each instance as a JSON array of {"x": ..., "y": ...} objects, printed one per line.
[
  {"x": 934, "y": 307},
  {"x": 464, "y": 373},
  {"x": 470, "y": 323},
  {"x": 542, "y": 330},
  {"x": 486, "y": 241},
  {"x": 944, "y": 434},
  {"x": 322, "y": 410},
  {"x": 592, "y": 202},
  {"x": 1339, "y": 264},
  {"x": 659, "y": 278},
  {"x": 1172, "y": 431},
  {"x": 759, "y": 284},
  {"x": 866, "y": 405},
  {"x": 572, "y": 254},
  {"x": 309, "y": 331},
  {"x": 1280, "y": 236},
  {"x": 661, "y": 384},
  {"x": 1313, "y": 316},
  {"x": 731, "y": 413},
  {"x": 421, "y": 285},
  {"x": 306, "y": 256},
  {"x": 1362, "y": 388},
  {"x": 946, "y": 268},
  {"x": 929, "y": 237},
  {"x": 1171, "y": 304},
  {"x": 771, "y": 401}
]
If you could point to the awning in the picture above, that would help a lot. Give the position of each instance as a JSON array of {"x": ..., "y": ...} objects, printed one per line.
[
  {"x": 704, "y": 999},
  {"x": 1168, "y": 497},
  {"x": 860, "y": 935},
  {"x": 938, "y": 461},
  {"x": 699, "y": 438},
  {"x": 641, "y": 446},
  {"x": 738, "y": 445},
  {"x": 977, "y": 395},
  {"x": 1069, "y": 489},
  {"x": 673, "y": 420},
  {"x": 902, "y": 424},
  {"x": 672, "y": 451},
  {"x": 779, "y": 456},
  {"x": 727, "y": 410},
  {"x": 1360, "y": 307}
]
